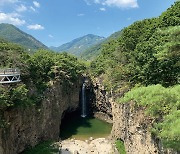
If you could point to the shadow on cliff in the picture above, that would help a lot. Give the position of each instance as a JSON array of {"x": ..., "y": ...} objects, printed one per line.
[{"x": 74, "y": 125}]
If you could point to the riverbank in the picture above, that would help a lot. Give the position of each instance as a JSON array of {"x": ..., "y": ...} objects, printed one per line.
[{"x": 90, "y": 146}]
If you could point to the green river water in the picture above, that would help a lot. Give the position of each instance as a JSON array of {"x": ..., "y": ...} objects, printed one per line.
[{"x": 82, "y": 128}]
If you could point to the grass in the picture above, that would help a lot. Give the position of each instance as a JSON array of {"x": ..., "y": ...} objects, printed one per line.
[
  {"x": 120, "y": 146},
  {"x": 42, "y": 148}
]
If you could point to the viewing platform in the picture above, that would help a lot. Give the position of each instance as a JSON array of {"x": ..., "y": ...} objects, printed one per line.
[{"x": 9, "y": 75}]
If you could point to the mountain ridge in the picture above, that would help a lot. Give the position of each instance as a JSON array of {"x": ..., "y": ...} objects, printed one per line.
[
  {"x": 13, "y": 34},
  {"x": 79, "y": 45},
  {"x": 95, "y": 50}
]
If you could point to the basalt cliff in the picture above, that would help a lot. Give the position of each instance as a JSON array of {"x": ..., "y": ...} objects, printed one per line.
[
  {"x": 130, "y": 124},
  {"x": 29, "y": 126}
]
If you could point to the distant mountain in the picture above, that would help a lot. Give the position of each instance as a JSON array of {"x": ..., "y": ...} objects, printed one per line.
[
  {"x": 79, "y": 45},
  {"x": 93, "y": 51},
  {"x": 15, "y": 35}
]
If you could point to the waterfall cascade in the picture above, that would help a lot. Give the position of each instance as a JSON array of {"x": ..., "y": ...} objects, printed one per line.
[{"x": 83, "y": 101}]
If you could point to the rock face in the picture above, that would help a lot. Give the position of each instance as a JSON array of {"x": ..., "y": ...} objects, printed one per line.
[
  {"x": 130, "y": 124},
  {"x": 101, "y": 105},
  {"x": 27, "y": 127}
]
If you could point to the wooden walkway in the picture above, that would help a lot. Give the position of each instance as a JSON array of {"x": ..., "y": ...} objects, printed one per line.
[{"x": 10, "y": 75}]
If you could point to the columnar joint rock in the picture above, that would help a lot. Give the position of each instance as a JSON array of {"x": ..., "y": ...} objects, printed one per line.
[
  {"x": 29, "y": 126},
  {"x": 130, "y": 124},
  {"x": 101, "y": 105}
]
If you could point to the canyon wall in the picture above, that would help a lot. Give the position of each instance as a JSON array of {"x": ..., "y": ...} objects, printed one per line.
[
  {"x": 29, "y": 126},
  {"x": 101, "y": 106},
  {"x": 133, "y": 127},
  {"x": 130, "y": 124}
]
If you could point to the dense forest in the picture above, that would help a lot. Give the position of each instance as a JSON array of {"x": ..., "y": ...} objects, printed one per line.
[
  {"x": 144, "y": 61},
  {"x": 38, "y": 70}
]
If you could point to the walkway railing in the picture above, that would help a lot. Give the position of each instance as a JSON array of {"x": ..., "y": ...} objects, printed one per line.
[{"x": 10, "y": 75}]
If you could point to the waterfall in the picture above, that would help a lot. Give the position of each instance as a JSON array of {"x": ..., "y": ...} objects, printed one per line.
[{"x": 83, "y": 101}]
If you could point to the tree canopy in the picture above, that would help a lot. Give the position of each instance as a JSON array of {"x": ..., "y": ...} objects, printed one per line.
[
  {"x": 146, "y": 56},
  {"x": 37, "y": 70}
]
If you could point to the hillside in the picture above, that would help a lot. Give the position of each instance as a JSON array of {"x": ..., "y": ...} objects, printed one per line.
[
  {"x": 94, "y": 51},
  {"x": 143, "y": 66},
  {"x": 15, "y": 35},
  {"x": 77, "y": 46}
]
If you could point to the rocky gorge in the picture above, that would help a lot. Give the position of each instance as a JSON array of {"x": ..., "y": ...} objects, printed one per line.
[
  {"x": 130, "y": 123},
  {"x": 133, "y": 84},
  {"x": 27, "y": 127}
]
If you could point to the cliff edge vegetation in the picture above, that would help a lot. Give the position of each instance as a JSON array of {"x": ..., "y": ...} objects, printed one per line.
[
  {"x": 146, "y": 58},
  {"x": 38, "y": 70}
]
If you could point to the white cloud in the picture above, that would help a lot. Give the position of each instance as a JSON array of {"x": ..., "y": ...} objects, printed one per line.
[
  {"x": 102, "y": 9},
  {"x": 36, "y": 4},
  {"x": 14, "y": 14},
  {"x": 21, "y": 8},
  {"x": 121, "y": 3},
  {"x": 114, "y": 3},
  {"x": 3, "y": 2},
  {"x": 35, "y": 27},
  {"x": 32, "y": 8},
  {"x": 50, "y": 36},
  {"x": 11, "y": 18},
  {"x": 80, "y": 15}
]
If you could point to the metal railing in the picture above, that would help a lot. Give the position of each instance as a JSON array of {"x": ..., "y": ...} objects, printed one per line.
[
  {"x": 9, "y": 75},
  {"x": 9, "y": 71}
]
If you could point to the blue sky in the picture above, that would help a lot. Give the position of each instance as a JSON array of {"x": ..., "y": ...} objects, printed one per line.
[{"x": 55, "y": 22}]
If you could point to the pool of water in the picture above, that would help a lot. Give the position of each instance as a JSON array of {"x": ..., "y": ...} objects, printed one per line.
[{"x": 74, "y": 126}]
